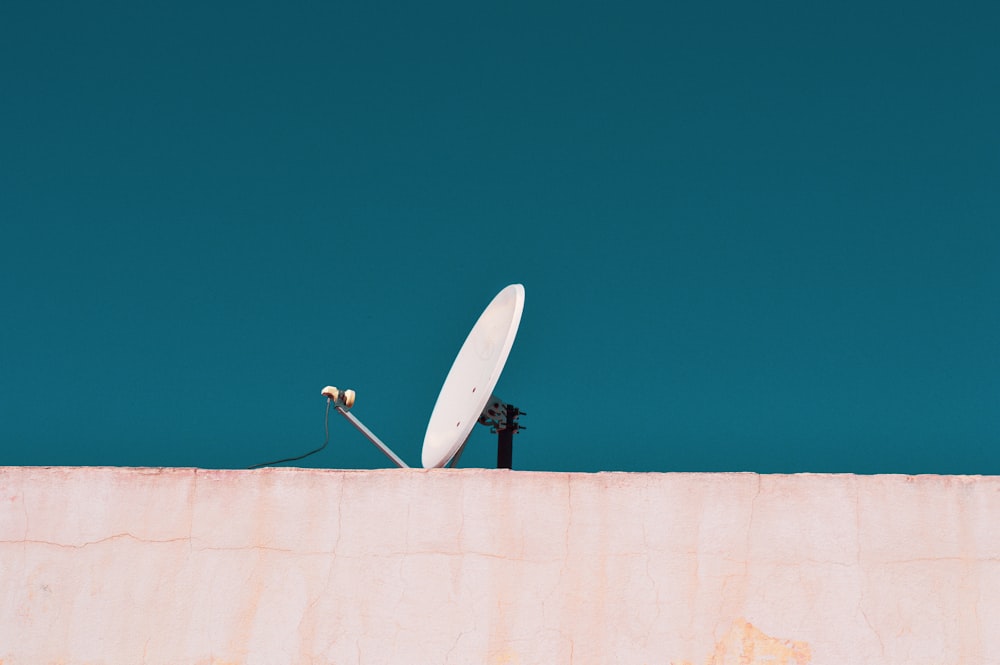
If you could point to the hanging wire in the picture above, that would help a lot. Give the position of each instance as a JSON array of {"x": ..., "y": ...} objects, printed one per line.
[{"x": 326, "y": 440}]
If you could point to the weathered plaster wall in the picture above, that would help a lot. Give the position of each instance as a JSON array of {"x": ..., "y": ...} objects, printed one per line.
[{"x": 167, "y": 566}]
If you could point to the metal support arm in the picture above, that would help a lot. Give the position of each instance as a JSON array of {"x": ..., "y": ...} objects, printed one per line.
[{"x": 371, "y": 437}]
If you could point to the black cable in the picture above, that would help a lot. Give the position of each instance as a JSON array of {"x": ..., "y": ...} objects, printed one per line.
[{"x": 326, "y": 427}]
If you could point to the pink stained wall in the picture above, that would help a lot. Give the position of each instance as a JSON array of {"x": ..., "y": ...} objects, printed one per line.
[{"x": 168, "y": 566}]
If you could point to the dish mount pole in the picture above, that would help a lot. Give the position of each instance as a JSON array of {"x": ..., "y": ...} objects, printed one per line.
[{"x": 504, "y": 423}]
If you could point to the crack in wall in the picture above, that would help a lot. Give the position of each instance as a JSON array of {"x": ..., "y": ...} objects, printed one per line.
[
  {"x": 100, "y": 541},
  {"x": 860, "y": 568},
  {"x": 871, "y": 627},
  {"x": 447, "y": 656},
  {"x": 167, "y": 541},
  {"x": 656, "y": 589}
]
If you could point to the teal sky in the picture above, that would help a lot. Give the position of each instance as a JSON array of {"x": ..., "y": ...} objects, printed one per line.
[{"x": 753, "y": 236}]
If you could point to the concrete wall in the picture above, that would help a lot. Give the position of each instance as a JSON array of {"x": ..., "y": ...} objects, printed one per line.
[{"x": 167, "y": 566}]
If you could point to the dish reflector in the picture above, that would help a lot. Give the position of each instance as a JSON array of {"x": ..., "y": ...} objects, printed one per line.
[{"x": 472, "y": 377}]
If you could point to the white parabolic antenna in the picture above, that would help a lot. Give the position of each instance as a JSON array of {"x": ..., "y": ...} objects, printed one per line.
[
  {"x": 472, "y": 378},
  {"x": 466, "y": 396}
]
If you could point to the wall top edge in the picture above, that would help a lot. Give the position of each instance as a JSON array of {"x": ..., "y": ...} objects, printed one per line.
[{"x": 719, "y": 475}]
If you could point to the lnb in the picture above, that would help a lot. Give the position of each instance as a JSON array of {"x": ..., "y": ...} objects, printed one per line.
[{"x": 344, "y": 398}]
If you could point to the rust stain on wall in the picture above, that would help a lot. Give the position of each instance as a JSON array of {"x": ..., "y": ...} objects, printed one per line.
[
  {"x": 745, "y": 644},
  {"x": 502, "y": 658}
]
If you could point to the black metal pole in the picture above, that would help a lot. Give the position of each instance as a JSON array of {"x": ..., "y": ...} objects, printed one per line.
[{"x": 505, "y": 439}]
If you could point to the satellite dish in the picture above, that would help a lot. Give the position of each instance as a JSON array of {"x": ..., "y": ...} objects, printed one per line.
[
  {"x": 469, "y": 385},
  {"x": 467, "y": 394}
]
